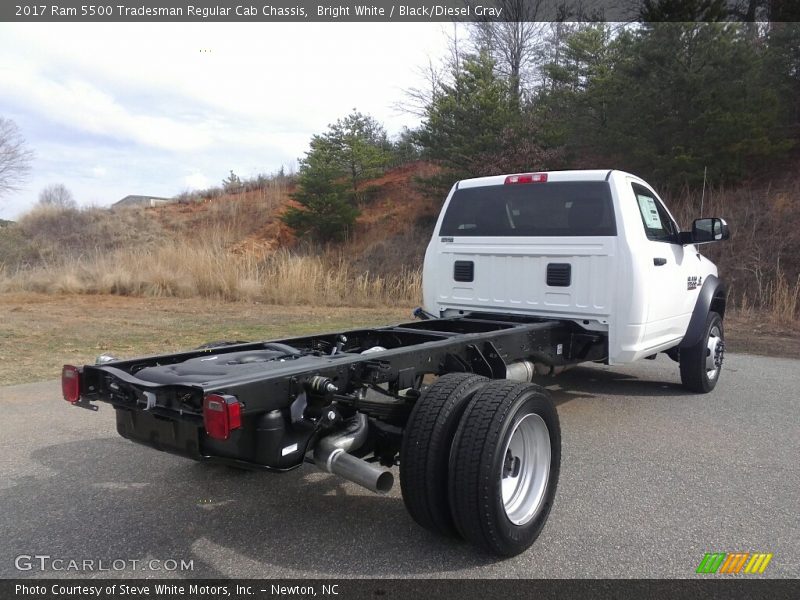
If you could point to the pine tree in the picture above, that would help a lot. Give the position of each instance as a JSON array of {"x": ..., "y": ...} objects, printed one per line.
[
  {"x": 326, "y": 214},
  {"x": 330, "y": 178},
  {"x": 232, "y": 184}
]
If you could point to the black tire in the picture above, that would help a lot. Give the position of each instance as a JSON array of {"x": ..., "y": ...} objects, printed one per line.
[
  {"x": 479, "y": 463},
  {"x": 695, "y": 374},
  {"x": 425, "y": 451}
]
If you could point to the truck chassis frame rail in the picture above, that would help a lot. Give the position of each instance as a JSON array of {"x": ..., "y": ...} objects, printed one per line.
[{"x": 290, "y": 392}]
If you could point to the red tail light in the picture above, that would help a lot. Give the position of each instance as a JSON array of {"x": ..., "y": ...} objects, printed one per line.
[
  {"x": 527, "y": 178},
  {"x": 71, "y": 383},
  {"x": 221, "y": 415}
]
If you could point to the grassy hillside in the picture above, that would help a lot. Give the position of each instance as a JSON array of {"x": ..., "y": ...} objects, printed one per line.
[
  {"x": 235, "y": 247},
  {"x": 228, "y": 246}
]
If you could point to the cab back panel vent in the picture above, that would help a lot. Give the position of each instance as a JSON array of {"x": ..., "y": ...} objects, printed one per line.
[
  {"x": 559, "y": 274},
  {"x": 464, "y": 270}
]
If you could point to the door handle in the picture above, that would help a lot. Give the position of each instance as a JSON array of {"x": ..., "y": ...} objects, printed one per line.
[{"x": 659, "y": 262}]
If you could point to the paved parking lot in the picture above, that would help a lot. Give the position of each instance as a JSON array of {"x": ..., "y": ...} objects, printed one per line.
[{"x": 651, "y": 479}]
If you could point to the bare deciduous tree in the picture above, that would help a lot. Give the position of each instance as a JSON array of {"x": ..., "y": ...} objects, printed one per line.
[
  {"x": 515, "y": 43},
  {"x": 57, "y": 195},
  {"x": 15, "y": 158}
]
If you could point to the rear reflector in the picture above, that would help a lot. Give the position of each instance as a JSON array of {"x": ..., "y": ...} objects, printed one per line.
[
  {"x": 527, "y": 178},
  {"x": 71, "y": 383},
  {"x": 221, "y": 415}
]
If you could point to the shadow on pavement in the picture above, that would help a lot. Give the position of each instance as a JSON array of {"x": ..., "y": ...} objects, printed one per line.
[
  {"x": 109, "y": 498},
  {"x": 593, "y": 382}
]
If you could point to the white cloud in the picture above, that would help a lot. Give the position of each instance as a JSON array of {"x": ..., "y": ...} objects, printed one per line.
[
  {"x": 196, "y": 181},
  {"x": 82, "y": 106},
  {"x": 116, "y": 109}
]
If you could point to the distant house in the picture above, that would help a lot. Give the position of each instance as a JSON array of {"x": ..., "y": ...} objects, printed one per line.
[{"x": 140, "y": 201}]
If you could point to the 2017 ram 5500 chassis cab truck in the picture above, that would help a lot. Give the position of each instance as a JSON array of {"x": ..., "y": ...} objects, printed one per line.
[{"x": 525, "y": 275}]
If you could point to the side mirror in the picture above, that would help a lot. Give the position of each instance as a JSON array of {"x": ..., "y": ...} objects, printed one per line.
[{"x": 708, "y": 230}]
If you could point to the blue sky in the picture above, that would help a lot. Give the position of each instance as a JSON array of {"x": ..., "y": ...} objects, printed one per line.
[{"x": 117, "y": 109}]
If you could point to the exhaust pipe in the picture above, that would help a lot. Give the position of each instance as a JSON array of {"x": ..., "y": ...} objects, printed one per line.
[
  {"x": 331, "y": 455},
  {"x": 525, "y": 370},
  {"x": 522, "y": 370},
  {"x": 340, "y": 463}
]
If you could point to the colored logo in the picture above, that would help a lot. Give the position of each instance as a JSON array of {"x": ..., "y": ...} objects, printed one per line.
[{"x": 734, "y": 562}]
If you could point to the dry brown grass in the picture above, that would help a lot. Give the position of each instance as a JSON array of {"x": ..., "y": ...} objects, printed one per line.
[
  {"x": 208, "y": 270},
  {"x": 40, "y": 332},
  {"x": 761, "y": 261},
  {"x": 222, "y": 249},
  {"x": 779, "y": 300},
  {"x": 53, "y": 232},
  {"x": 228, "y": 219}
]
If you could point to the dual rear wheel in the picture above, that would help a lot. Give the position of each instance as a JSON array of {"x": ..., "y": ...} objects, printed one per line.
[{"x": 480, "y": 459}]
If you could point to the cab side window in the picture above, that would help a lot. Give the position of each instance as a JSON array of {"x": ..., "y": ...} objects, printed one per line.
[{"x": 658, "y": 226}]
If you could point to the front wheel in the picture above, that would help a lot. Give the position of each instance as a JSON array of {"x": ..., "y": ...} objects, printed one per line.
[
  {"x": 701, "y": 363},
  {"x": 504, "y": 467}
]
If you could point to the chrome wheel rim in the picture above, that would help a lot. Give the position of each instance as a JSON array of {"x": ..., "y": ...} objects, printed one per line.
[
  {"x": 525, "y": 469},
  {"x": 715, "y": 349}
]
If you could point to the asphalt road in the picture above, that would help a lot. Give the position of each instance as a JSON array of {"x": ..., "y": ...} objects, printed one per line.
[{"x": 651, "y": 479}]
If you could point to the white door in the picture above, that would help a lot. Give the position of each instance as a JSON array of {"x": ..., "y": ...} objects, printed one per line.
[{"x": 669, "y": 302}]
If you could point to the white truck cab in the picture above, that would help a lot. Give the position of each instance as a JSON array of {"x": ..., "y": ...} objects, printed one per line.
[{"x": 596, "y": 247}]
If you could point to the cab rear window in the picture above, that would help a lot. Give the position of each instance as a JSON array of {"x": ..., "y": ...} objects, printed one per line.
[{"x": 568, "y": 208}]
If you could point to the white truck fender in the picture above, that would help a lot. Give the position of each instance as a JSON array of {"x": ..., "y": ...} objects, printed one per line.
[{"x": 712, "y": 296}]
